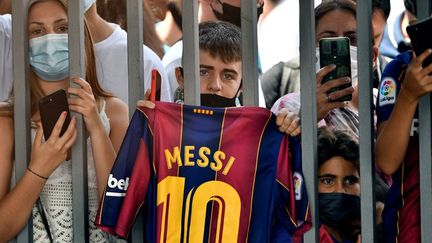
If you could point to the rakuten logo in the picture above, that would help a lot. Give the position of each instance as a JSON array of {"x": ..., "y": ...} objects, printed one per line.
[{"x": 121, "y": 184}]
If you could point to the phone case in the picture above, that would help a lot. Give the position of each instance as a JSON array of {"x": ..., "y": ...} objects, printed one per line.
[
  {"x": 336, "y": 50},
  {"x": 155, "y": 86},
  {"x": 50, "y": 108},
  {"x": 421, "y": 38}
]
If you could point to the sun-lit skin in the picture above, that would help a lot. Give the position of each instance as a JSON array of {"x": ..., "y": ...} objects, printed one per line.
[
  {"x": 338, "y": 175},
  {"x": 5, "y": 6},
  {"x": 378, "y": 26},
  {"x": 219, "y": 78}
]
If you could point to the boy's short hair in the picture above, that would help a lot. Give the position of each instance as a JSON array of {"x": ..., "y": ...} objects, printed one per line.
[
  {"x": 221, "y": 39},
  {"x": 332, "y": 143},
  {"x": 332, "y": 5}
]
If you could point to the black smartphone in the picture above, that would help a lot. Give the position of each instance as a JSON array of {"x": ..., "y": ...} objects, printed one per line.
[
  {"x": 50, "y": 108},
  {"x": 336, "y": 50},
  {"x": 155, "y": 86},
  {"x": 421, "y": 38}
]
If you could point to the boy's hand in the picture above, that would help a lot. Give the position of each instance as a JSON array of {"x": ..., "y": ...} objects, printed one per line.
[{"x": 146, "y": 101}]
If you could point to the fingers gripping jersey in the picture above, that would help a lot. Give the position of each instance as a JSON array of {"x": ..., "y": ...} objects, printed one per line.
[{"x": 204, "y": 175}]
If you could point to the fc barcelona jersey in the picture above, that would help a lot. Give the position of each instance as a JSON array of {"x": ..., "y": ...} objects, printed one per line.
[
  {"x": 401, "y": 215},
  {"x": 204, "y": 174}
]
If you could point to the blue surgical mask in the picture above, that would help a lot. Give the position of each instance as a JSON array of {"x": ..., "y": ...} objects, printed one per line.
[
  {"x": 49, "y": 56},
  {"x": 88, "y": 4}
]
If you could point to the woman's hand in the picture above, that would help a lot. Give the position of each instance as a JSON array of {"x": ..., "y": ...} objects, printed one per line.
[
  {"x": 417, "y": 81},
  {"x": 288, "y": 122},
  {"x": 327, "y": 101},
  {"x": 47, "y": 156},
  {"x": 85, "y": 103},
  {"x": 146, "y": 101}
]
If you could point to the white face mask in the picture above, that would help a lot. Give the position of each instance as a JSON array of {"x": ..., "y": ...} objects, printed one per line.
[{"x": 354, "y": 68}]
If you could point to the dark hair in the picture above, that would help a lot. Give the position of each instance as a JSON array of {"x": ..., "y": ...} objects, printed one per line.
[
  {"x": 411, "y": 6},
  {"x": 328, "y": 6},
  {"x": 221, "y": 39},
  {"x": 333, "y": 143},
  {"x": 383, "y": 5}
]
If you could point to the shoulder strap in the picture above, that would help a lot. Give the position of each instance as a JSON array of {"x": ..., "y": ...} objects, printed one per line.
[{"x": 44, "y": 219}]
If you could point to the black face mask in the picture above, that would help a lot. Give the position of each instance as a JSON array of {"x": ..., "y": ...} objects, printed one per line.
[
  {"x": 338, "y": 209},
  {"x": 213, "y": 100},
  {"x": 229, "y": 14}
]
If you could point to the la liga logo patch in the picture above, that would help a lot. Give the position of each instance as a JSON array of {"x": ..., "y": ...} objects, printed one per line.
[{"x": 387, "y": 91}]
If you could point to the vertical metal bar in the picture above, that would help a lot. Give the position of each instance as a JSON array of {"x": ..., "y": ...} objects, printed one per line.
[
  {"x": 367, "y": 156},
  {"x": 191, "y": 52},
  {"x": 135, "y": 53},
  {"x": 249, "y": 52},
  {"x": 79, "y": 150},
  {"x": 424, "y": 8},
  {"x": 136, "y": 77},
  {"x": 22, "y": 99},
  {"x": 308, "y": 111}
]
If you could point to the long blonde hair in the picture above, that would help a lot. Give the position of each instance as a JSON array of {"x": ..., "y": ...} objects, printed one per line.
[{"x": 91, "y": 75}]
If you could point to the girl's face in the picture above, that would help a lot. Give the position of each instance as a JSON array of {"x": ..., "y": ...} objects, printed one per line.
[
  {"x": 338, "y": 175},
  {"x": 47, "y": 17},
  {"x": 337, "y": 23}
]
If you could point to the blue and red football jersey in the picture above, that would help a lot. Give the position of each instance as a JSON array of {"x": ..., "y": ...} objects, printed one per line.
[
  {"x": 204, "y": 174},
  {"x": 401, "y": 215}
]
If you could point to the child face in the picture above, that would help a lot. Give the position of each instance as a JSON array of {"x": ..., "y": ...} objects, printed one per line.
[
  {"x": 219, "y": 78},
  {"x": 338, "y": 175}
]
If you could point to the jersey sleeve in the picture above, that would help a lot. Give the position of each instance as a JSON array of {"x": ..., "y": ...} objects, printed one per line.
[
  {"x": 129, "y": 178},
  {"x": 294, "y": 215},
  {"x": 390, "y": 85}
]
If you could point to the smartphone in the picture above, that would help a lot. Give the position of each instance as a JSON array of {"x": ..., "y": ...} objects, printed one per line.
[
  {"x": 336, "y": 50},
  {"x": 421, "y": 38},
  {"x": 155, "y": 86},
  {"x": 50, "y": 108}
]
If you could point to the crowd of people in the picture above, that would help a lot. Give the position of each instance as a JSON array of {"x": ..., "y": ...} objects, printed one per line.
[{"x": 44, "y": 192}]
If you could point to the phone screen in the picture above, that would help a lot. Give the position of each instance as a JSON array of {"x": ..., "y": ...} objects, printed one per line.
[
  {"x": 50, "y": 108},
  {"x": 155, "y": 86},
  {"x": 336, "y": 50},
  {"x": 421, "y": 38}
]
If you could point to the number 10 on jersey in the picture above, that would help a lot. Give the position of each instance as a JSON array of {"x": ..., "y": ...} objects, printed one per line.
[{"x": 170, "y": 195}]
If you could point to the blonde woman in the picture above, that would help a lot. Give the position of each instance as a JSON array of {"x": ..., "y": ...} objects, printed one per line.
[{"x": 48, "y": 176}]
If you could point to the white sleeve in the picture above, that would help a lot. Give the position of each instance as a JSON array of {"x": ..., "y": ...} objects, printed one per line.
[{"x": 6, "y": 78}]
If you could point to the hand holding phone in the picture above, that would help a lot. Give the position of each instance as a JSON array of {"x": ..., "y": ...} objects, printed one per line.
[
  {"x": 421, "y": 38},
  {"x": 336, "y": 50},
  {"x": 50, "y": 108}
]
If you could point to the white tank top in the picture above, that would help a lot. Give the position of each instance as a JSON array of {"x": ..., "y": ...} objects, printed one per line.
[{"x": 56, "y": 198}]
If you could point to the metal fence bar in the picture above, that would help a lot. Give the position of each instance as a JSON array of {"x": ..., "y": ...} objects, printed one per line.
[
  {"x": 249, "y": 52},
  {"x": 79, "y": 150},
  {"x": 367, "y": 155},
  {"x": 135, "y": 53},
  {"x": 136, "y": 76},
  {"x": 424, "y": 7},
  {"x": 191, "y": 52},
  {"x": 21, "y": 100},
  {"x": 308, "y": 111}
]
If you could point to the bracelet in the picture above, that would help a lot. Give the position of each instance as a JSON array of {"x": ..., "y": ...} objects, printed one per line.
[{"x": 36, "y": 174}]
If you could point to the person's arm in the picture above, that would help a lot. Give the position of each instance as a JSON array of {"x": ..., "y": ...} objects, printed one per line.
[
  {"x": 393, "y": 134},
  {"x": 16, "y": 206},
  {"x": 6, "y": 153}
]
